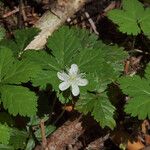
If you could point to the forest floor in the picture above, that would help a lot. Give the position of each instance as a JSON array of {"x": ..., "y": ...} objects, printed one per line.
[{"x": 129, "y": 133}]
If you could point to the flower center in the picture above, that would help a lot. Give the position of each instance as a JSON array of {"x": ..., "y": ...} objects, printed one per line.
[{"x": 73, "y": 78}]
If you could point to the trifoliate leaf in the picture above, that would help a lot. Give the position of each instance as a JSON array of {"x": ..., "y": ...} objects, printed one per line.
[
  {"x": 4, "y": 134},
  {"x": 139, "y": 91},
  {"x": 64, "y": 44},
  {"x": 21, "y": 71},
  {"x": 18, "y": 138},
  {"x": 18, "y": 100},
  {"x": 99, "y": 106},
  {"x": 132, "y": 18}
]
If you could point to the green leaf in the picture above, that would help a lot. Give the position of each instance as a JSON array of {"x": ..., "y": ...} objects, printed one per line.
[
  {"x": 88, "y": 60},
  {"x": 2, "y": 33},
  {"x": 6, "y": 147},
  {"x": 87, "y": 39},
  {"x": 139, "y": 91},
  {"x": 42, "y": 58},
  {"x": 4, "y": 134},
  {"x": 18, "y": 138},
  {"x": 145, "y": 22},
  {"x": 64, "y": 44},
  {"x": 22, "y": 38},
  {"x": 5, "y": 117},
  {"x": 132, "y": 18},
  {"x": 21, "y": 71},
  {"x": 18, "y": 100},
  {"x": 30, "y": 144},
  {"x": 127, "y": 23},
  {"x": 6, "y": 60},
  {"x": 99, "y": 106},
  {"x": 45, "y": 78}
]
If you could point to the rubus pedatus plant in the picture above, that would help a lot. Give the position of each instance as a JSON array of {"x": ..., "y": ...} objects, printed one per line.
[{"x": 78, "y": 67}]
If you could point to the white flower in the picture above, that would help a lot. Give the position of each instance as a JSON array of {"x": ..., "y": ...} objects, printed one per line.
[{"x": 73, "y": 79}]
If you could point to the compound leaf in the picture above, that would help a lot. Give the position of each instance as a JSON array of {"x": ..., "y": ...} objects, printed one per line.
[
  {"x": 64, "y": 44},
  {"x": 21, "y": 71},
  {"x": 18, "y": 100},
  {"x": 139, "y": 91},
  {"x": 21, "y": 40},
  {"x": 132, "y": 18},
  {"x": 99, "y": 106}
]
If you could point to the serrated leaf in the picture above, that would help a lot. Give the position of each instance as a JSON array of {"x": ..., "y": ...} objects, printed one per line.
[
  {"x": 24, "y": 36},
  {"x": 88, "y": 60},
  {"x": 145, "y": 22},
  {"x": 6, "y": 61},
  {"x": 100, "y": 107},
  {"x": 114, "y": 56},
  {"x": 21, "y": 71},
  {"x": 132, "y": 18},
  {"x": 22, "y": 39},
  {"x": 139, "y": 91},
  {"x": 91, "y": 59},
  {"x": 42, "y": 58},
  {"x": 103, "y": 112},
  {"x": 18, "y": 138},
  {"x": 4, "y": 134},
  {"x": 18, "y": 100},
  {"x": 46, "y": 78},
  {"x": 86, "y": 38},
  {"x": 127, "y": 23},
  {"x": 64, "y": 45}
]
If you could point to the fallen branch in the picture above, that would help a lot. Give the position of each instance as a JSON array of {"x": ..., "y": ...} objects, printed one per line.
[
  {"x": 51, "y": 20},
  {"x": 64, "y": 136}
]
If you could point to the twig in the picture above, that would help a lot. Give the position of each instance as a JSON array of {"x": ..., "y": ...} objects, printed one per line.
[
  {"x": 91, "y": 23},
  {"x": 49, "y": 22},
  {"x": 44, "y": 140},
  {"x": 11, "y": 12}
]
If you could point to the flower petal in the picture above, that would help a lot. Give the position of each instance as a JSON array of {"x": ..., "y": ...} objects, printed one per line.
[
  {"x": 82, "y": 82},
  {"x": 62, "y": 76},
  {"x": 64, "y": 85},
  {"x": 73, "y": 70},
  {"x": 75, "y": 89}
]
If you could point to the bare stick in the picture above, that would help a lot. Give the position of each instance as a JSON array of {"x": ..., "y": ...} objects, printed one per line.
[
  {"x": 44, "y": 140},
  {"x": 51, "y": 20}
]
